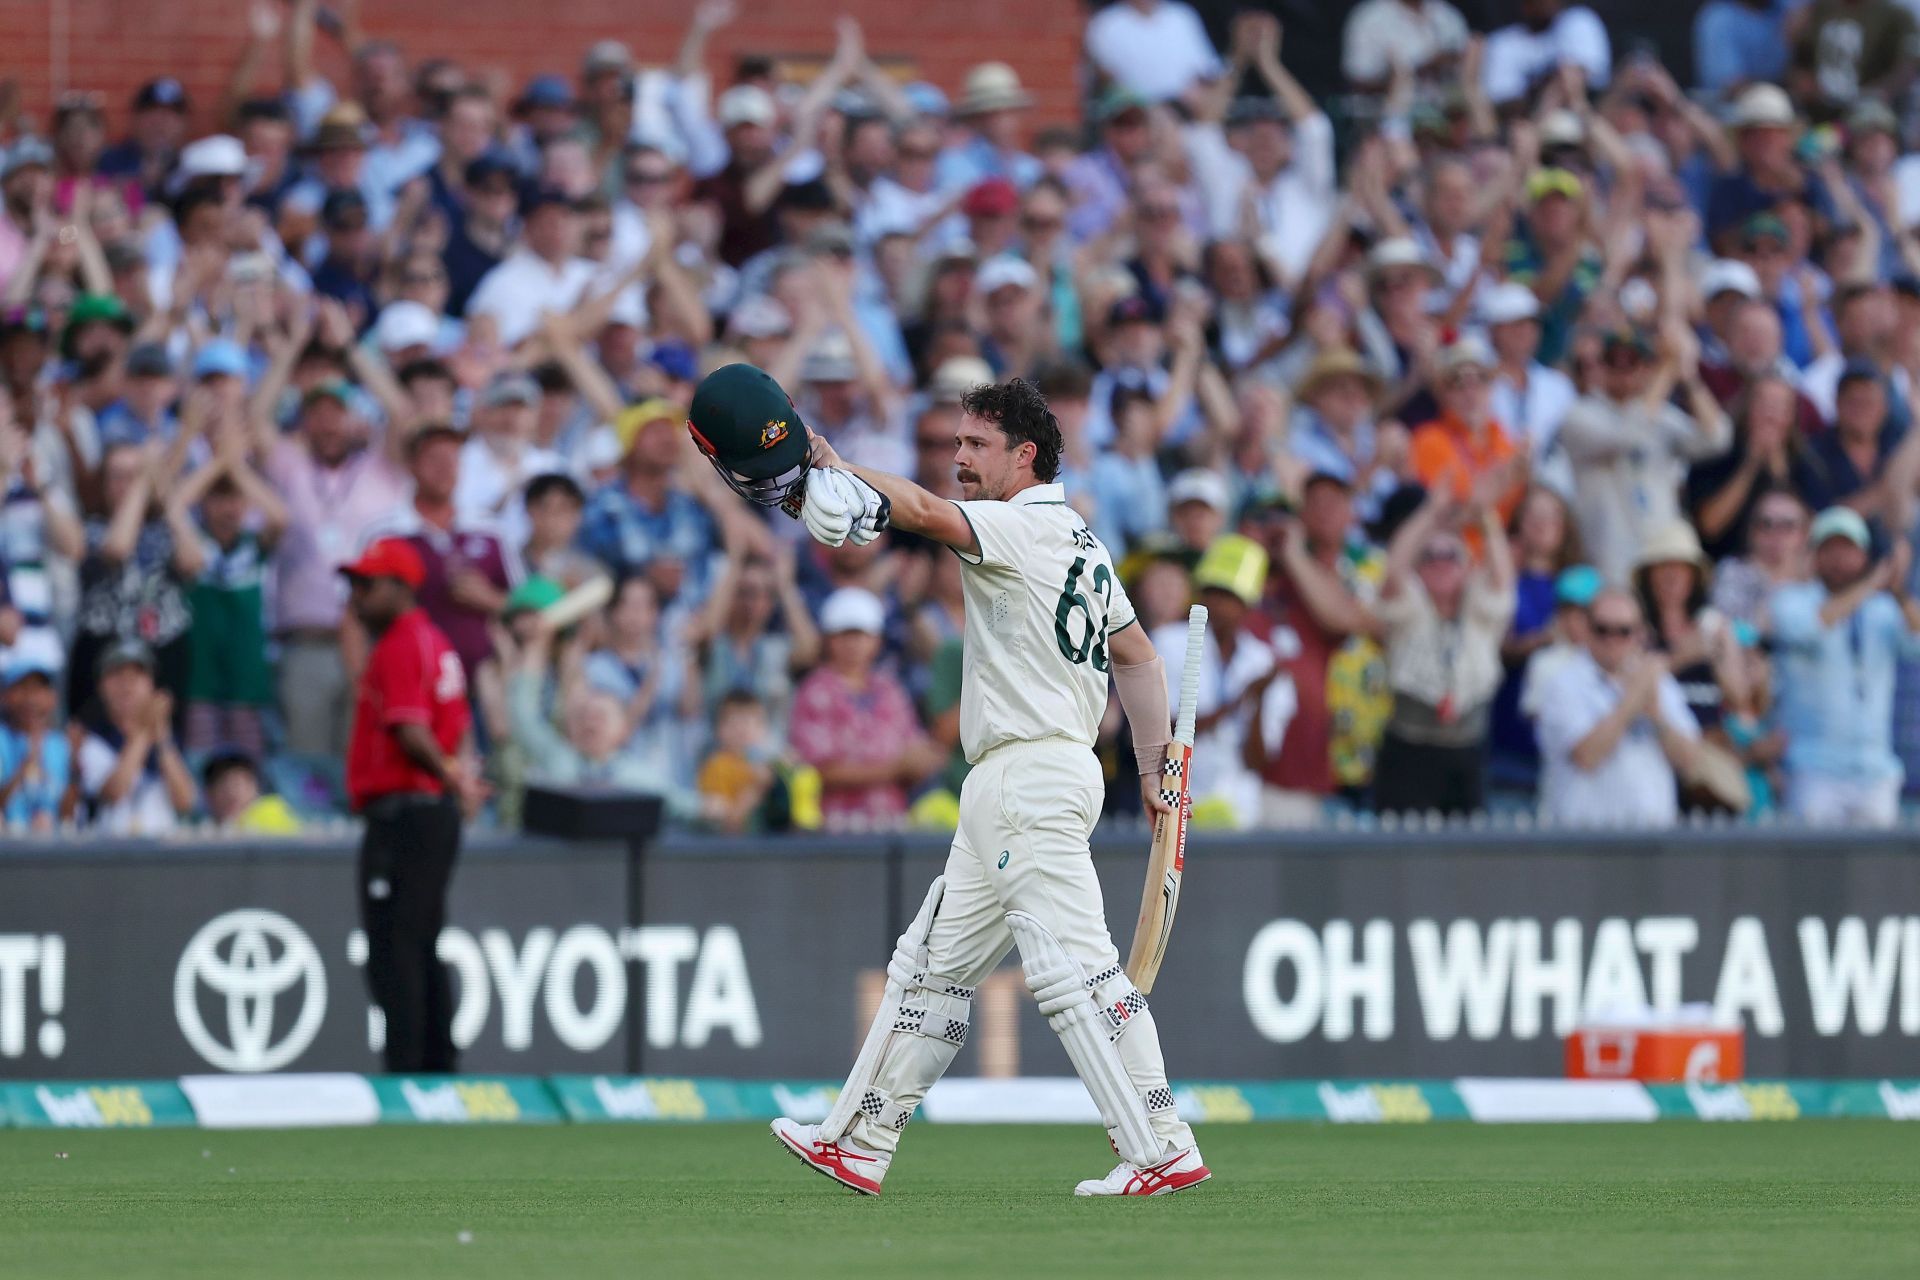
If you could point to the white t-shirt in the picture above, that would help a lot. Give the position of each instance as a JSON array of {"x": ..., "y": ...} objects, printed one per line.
[
  {"x": 1517, "y": 57},
  {"x": 1157, "y": 54},
  {"x": 1218, "y": 771},
  {"x": 522, "y": 286},
  {"x": 144, "y": 811},
  {"x": 1383, "y": 33},
  {"x": 1632, "y": 787},
  {"x": 493, "y": 491},
  {"x": 1293, "y": 210},
  {"x": 1041, "y": 600}
]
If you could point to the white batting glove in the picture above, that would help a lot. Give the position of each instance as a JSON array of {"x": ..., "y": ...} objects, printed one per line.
[
  {"x": 827, "y": 512},
  {"x": 871, "y": 510}
]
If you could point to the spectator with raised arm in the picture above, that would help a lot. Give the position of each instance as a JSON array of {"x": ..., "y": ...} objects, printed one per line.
[
  {"x": 1444, "y": 621},
  {"x": 1838, "y": 641}
]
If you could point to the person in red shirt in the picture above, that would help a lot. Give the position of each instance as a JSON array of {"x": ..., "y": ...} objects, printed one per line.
[{"x": 405, "y": 773}]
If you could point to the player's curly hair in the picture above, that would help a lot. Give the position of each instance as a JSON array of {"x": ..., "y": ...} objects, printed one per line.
[{"x": 1020, "y": 411}]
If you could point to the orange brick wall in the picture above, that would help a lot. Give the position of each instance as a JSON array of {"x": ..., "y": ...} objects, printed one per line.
[{"x": 114, "y": 45}]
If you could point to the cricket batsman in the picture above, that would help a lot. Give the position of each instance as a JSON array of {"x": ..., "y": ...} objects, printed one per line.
[{"x": 1047, "y": 623}]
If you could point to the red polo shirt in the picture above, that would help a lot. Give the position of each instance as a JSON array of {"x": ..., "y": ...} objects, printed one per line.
[{"x": 412, "y": 676}]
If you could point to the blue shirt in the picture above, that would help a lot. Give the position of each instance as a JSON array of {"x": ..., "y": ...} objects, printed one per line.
[
  {"x": 1835, "y": 684},
  {"x": 41, "y": 796},
  {"x": 1734, "y": 43},
  {"x": 1130, "y": 500},
  {"x": 627, "y": 536},
  {"x": 1314, "y": 443},
  {"x": 976, "y": 160}
]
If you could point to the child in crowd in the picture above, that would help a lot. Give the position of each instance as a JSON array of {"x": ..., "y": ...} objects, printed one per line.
[
  {"x": 738, "y": 780},
  {"x": 37, "y": 779}
]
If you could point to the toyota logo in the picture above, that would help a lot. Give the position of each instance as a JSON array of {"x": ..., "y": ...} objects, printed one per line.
[{"x": 251, "y": 957}]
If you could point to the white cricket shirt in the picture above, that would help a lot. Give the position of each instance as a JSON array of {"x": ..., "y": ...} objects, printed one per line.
[{"x": 1041, "y": 599}]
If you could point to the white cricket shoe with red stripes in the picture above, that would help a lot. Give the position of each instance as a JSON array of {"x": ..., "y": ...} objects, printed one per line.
[
  {"x": 1175, "y": 1173},
  {"x": 853, "y": 1167}
]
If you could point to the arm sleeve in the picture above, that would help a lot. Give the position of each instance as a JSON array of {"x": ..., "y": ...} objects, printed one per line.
[{"x": 1143, "y": 696}]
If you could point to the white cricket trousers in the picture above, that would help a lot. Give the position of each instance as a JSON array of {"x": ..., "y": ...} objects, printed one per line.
[{"x": 1026, "y": 811}]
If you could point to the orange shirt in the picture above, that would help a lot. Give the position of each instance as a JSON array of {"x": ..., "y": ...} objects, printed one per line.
[{"x": 1445, "y": 445}]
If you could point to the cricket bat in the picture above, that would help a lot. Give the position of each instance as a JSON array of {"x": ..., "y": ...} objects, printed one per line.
[
  {"x": 578, "y": 603},
  {"x": 1168, "y": 860}
]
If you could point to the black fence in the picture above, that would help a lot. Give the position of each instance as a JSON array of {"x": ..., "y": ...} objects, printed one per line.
[{"x": 1361, "y": 954}]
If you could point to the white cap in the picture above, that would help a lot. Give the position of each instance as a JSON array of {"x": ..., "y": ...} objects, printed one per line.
[
  {"x": 760, "y": 316},
  {"x": 746, "y": 104},
  {"x": 1562, "y": 128},
  {"x": 1199, "y": 485},
  {"x": 958, "y": 375},
  {"x": 1764, "y": 106},
  {"x": 1468, "y": 351},
  {"x": 1005, "y": 270},
  {"x": 853, "y": 609},
  {"x": 1729, "y": 275},
  {"x": 1508, "y": 302},
  {"x": 831, "y": 359},
  {"x": 218, "y": 156},
  {"x": 1397, "y": 251},
  {"x": 405, "y": 324}
]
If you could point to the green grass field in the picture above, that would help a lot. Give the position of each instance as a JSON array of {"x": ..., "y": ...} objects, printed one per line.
[{"x": 1833, "y": 1198}]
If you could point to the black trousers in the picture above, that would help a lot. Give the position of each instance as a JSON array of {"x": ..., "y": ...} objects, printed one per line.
[
  {"x": 406, "y": 864},
  {"x": 1415, "y": 777}
]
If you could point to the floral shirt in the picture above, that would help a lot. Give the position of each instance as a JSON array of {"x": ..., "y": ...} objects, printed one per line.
[{"x": 835, "y": 723}]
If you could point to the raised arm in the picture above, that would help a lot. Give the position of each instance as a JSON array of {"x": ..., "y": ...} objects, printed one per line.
[{"x": 914, "y": 510}]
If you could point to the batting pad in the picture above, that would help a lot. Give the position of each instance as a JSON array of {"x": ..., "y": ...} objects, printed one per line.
[
  {"x": 929, "y": 1015},
  {"x": 1065, "y": 992}
]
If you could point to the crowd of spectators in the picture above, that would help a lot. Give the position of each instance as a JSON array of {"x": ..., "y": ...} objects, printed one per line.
[{"x": 1538, "y": 429}]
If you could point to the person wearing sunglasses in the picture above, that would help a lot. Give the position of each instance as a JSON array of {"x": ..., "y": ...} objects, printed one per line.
[{"x": 1614, "y": 729}]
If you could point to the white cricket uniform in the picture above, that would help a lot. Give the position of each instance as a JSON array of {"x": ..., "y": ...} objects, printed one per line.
[{"x": 1041, "y": 599}]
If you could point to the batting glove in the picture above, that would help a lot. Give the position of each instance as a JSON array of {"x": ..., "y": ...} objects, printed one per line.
[
  {"x": 871, "y": 509},
  {"x": 827, "y": 511}
]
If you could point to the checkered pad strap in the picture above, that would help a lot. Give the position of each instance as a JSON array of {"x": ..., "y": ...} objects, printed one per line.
[
  {"x": 1120, "y": 1002},
  {"x": 878, "y": 1105},
  {"x": 932, "y": 1007},
  {"x": 1158, "y": 1099}
]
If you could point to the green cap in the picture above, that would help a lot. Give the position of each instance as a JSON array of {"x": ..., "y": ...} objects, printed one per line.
[
  {"x": 748, "y": 428},
  {"x": 91, "y": 308},
  {"x": 533, "y": 595},
  {"x": 1117, "y": 101}
]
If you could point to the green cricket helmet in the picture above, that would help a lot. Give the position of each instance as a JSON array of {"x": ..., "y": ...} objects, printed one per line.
[{"x": 752, "y": 434}]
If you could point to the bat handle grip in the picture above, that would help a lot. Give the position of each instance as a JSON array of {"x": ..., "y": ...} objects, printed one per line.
[{"x": 1190, "y": 675}]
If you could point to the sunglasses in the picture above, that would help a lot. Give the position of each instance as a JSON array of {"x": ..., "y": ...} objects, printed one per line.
[
  {"x": 1778, "y": 524},
  {"x": 1442, "y": 555},
  {"x": 1613, "y": 630}
]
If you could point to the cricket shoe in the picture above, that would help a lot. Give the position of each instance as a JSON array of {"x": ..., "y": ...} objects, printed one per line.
[
  {"x": 1177, "y": 1172},
  {"x": 848, "y": 1165}
]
